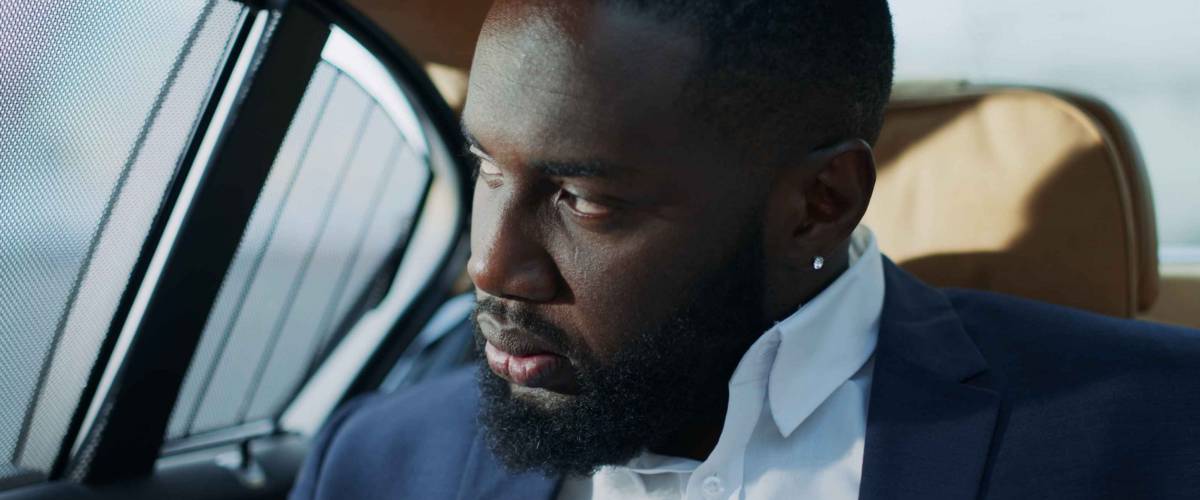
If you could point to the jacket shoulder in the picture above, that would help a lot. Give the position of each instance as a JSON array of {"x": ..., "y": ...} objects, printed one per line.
[
  {"x": 405, "y": 445},
  {"x": 1091, "y": 406},
  {"x": 1037, "y": 331}
]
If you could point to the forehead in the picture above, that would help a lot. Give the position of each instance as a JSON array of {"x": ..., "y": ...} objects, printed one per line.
[{"x": 570, "y": 79}]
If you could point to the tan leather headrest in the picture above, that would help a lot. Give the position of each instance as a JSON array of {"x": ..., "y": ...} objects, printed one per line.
[{"x": 1023, "y": 191}]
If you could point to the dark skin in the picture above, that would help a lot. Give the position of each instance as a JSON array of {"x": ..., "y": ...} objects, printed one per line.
[{"x": 600, "y": 198}]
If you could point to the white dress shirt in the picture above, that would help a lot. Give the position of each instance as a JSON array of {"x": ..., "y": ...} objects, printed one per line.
[{"x": 797, "y": 415}]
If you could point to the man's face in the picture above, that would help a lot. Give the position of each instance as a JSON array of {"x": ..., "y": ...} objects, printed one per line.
[{"x": 616, "y": 248}]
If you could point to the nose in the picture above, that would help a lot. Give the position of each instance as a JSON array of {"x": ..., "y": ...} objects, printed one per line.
[{"x": 508, "y": 261}]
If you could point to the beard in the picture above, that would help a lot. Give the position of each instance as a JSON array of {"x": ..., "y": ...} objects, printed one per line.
[{"x": 665, "y": 377}]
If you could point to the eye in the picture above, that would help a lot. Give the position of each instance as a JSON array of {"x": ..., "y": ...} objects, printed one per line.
[
  {"x": 488, "y": 168},
  {"x": 484, "y": 164},
  {"x": 584, "y": 207}
]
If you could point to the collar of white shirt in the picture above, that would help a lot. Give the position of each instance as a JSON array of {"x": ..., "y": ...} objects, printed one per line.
[
  {"x": 799, "y": 363},
  {"x": 829, "y": 338}
]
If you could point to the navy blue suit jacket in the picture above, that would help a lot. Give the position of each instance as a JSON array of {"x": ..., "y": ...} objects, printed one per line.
[{"x": 975, "y": 395}]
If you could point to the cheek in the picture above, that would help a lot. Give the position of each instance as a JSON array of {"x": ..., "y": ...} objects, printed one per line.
[{"x": 621, "y": 290}]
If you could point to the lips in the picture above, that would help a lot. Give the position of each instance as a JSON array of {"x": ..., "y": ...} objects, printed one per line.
[{"x": 525, "y": 360}]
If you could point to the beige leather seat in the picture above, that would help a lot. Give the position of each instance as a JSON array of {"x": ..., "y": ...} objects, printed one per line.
[{"x": 1023, "y": 191}]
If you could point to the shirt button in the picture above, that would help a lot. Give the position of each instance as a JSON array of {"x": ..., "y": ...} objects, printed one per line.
[{"x": 712, "y": 486}]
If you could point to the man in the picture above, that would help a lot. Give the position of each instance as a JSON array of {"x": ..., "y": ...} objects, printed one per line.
[{"x": 674, "y": 298}]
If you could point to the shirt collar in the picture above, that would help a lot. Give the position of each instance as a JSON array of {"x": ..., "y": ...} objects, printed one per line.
[
  {"x": 829, "y": 338},
  {"x": 808, "y": 355}
]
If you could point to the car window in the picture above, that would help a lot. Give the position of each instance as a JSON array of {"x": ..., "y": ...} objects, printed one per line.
[
  {"x": 98, "y": 102},
  {"x": 340, "y": 201},
  {"x": 1137, "y": 58}
]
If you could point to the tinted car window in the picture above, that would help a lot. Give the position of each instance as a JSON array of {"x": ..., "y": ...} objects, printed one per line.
[{"x": 98, "y": 102}]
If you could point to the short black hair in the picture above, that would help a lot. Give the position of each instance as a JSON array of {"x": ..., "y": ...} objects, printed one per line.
[{"x": 775, "y": 68}]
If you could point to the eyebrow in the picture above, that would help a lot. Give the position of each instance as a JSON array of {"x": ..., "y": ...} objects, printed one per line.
[{"x": 592, "y": 168}]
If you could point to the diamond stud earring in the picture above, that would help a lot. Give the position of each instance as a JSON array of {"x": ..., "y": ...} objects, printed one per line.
[{"x": 818, "y": 262}]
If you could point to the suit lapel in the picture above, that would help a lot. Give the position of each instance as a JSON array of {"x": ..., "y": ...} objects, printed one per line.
[
  {"x": 931, "y": 413},
  {"x": 484, "y": 477}
]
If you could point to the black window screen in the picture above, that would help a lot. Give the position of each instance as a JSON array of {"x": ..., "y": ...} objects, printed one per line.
[
  {"x": 340, "y": 198},
  {"x": 98, "y": 101}
]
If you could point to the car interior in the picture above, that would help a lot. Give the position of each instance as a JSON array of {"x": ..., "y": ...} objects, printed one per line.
[{"x": 223, "y": 219}]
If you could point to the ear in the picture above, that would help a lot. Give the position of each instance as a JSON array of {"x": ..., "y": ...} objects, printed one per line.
[{"x": 817, "y": 204}]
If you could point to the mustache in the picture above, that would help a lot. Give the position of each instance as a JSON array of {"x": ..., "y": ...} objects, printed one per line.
[{"x": 524, "y": 319}]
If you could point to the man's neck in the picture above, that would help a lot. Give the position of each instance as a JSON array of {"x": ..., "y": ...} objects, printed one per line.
[
  {"x": 697, "y": 439},
  {"x": 792, "y": 287}
]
